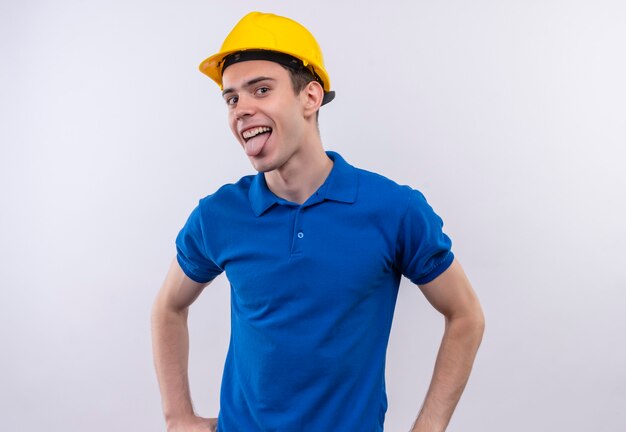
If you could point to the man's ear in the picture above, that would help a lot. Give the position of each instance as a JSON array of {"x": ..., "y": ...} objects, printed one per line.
[{"x": 312, "y": 95}]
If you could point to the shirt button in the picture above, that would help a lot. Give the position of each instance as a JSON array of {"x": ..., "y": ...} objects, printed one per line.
[{"x": 300, "y": 234}]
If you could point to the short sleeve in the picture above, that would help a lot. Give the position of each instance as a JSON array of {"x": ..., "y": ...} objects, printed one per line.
[
  {"x": 424, "y": 250},
  {"x": 191, "y": 251}
]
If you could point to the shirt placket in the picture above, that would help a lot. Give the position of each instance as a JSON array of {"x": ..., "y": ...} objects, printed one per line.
[{"x": 297, "y": 233}]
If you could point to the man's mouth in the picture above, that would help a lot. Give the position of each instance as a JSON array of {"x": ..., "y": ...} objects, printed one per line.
[
  {"x": 251, "y": 133},
  {"x": 255, "y": 138}
]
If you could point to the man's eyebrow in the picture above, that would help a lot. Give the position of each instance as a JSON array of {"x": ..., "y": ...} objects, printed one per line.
[{"x": 248, "y": 84}]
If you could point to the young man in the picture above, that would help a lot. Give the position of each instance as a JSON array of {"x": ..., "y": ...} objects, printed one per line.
[{"x": 314, "y": 250}]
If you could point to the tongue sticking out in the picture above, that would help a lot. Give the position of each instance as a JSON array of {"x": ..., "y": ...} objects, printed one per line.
[{"x": 255, "y": 144}]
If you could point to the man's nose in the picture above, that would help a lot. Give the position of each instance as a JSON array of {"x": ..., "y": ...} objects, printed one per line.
[{"x": 245, "y": 106}]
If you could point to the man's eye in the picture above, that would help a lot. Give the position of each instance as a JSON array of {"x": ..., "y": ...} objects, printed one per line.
[
  {"x": 232, "y": 100},
  {"x": 262, "y": 90}
]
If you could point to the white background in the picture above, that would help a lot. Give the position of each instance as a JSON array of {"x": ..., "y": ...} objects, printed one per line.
[{"x": 509, "y": 115}]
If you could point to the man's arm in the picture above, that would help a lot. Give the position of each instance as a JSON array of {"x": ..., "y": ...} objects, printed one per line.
[
  {"x": 170, "y": 344},
  {"x": 451, "y": 294}
]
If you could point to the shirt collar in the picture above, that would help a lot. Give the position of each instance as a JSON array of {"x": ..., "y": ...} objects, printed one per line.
[
  {"x": 341, "y": 185},
  {"x": 343, "y": 181}
]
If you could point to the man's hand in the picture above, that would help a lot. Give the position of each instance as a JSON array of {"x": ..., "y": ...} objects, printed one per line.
[{"x": 193, "y": 424}]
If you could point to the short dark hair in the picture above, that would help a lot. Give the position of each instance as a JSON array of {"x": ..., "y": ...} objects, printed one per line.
[{"x": 300, "y": 77}]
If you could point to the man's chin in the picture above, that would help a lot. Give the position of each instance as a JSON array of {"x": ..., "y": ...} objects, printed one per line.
[{"x": 260, "y": 165}]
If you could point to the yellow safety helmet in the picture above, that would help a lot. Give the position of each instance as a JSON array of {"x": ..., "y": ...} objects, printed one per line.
[{"x": 261, "y": 36}]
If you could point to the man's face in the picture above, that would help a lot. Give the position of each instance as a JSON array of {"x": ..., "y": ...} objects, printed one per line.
[{"x": 264, "y": 113}]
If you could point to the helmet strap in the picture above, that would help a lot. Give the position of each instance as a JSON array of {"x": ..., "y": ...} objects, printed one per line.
[{"x": 276, "y": 57}]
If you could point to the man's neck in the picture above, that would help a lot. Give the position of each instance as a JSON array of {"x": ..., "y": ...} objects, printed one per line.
[{"x": 302, "y": 176}]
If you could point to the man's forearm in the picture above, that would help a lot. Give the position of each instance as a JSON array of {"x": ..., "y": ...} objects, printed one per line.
[
  {"x": 170, "y": 341},
  {"x": 456, "y": 355}
]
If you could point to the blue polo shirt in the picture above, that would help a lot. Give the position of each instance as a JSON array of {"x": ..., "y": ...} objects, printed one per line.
[{"x": 313, "y": 290}]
